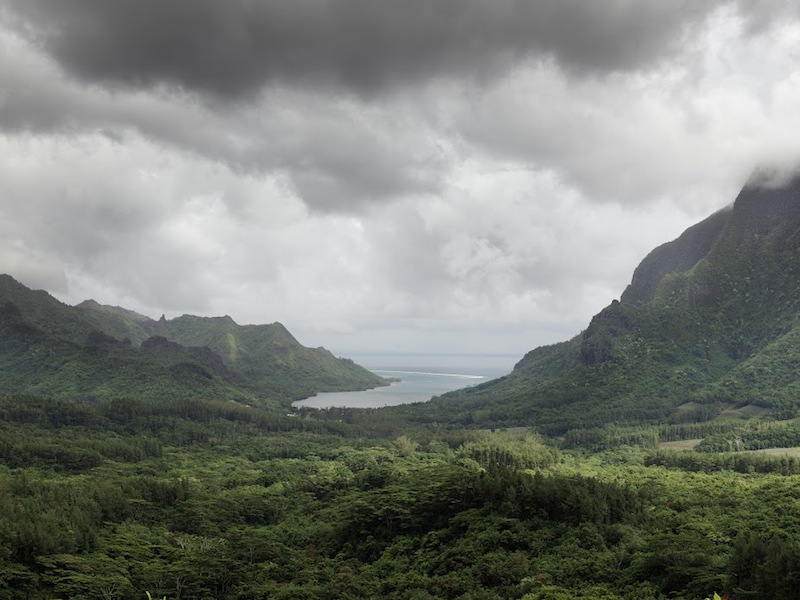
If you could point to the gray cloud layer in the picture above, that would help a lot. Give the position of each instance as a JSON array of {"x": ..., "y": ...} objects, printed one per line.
[
  {"x": 443, "y": 173},
  {"x": 234, "y": 48}
]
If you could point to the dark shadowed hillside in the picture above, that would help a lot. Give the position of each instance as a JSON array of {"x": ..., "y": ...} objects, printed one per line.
[
  {"x": 269, "y": 356},
  {"x": 103, "y": 351},
  {"x": 34, "y": 361}
]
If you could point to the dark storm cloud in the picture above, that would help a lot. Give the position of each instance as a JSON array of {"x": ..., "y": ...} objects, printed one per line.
[
  {"x": 233, "y": 48},
  {"x": 333, "y": 152},
  {"x": 760, "y": 15}
]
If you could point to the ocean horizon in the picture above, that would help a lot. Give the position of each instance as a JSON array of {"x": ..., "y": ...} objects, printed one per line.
[
  {"x": 421, "y": 377},
  {"x": 464, "y": 364}
]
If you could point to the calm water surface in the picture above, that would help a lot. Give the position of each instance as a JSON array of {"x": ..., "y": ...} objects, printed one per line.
[{"x": 417, "y": 384}]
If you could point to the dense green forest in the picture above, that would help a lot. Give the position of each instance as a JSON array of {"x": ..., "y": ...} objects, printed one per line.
[{"x": 205, "y": 499}]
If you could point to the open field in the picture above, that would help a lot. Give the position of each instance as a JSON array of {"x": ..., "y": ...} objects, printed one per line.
[
  {"x": 779, "y": 451},
  {"x": 680, "y": 444}
]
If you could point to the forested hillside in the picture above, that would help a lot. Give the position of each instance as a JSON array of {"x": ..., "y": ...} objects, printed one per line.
[
  {"x": 708, "y": 324},
  {"x": 35, "y": 361},
  {"x": 103, "y": 352}
]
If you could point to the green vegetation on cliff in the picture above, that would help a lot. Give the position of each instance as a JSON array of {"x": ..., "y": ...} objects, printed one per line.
[
  {"x": 269, "y": 356},
  {"x": 95, "y": 351},
  {"x": 33, "y": 361}
]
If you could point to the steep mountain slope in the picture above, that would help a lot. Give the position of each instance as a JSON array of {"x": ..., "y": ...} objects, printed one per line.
[
  {"x": 677, "y": 256},
  {"x": 35, "y": 361},
  {"x": 260, "y": 360},
  {"x": 117, "y": 322},
  {"x": 710, "y": 318},
  {"x": 42, "y": 310},
  {"x": 267, "y": 356}
]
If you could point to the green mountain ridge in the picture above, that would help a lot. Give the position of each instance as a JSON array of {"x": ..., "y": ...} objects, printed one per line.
[
  {"x": 97, "y": 351},
  {"x": 677, "y": 256},
  {"x": 709, "y": 320},
  {"x": 33, "y": 361}
]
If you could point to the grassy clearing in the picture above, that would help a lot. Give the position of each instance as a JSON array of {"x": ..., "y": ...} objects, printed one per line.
[
  {"x": 747, "y": 411},
  {"x": 680, "y": 444},
  {"x": 779, "y": 451}
]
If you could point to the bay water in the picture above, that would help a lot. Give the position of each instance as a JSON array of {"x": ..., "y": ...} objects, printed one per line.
[{"x": 420, "y": 378}]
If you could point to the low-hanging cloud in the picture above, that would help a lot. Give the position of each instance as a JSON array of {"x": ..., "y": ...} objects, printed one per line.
[{"x": 335, "y": 153}]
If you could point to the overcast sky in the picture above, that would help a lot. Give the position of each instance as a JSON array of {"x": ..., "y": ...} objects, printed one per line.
[{"x": 468, "y": 176}]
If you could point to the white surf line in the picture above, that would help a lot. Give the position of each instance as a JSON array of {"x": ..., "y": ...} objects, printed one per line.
[{"x": 426, "y": 373}]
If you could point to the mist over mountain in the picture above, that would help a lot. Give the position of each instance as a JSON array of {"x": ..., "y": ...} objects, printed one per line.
[
  {"x": 708, "y": 324},
  {"x": 93, "y": 351}
]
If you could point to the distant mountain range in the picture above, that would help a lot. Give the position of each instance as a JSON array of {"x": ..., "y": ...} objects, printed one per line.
[
  {"x": 708, "y": 324},
  {"x": 92, "y": 351}
]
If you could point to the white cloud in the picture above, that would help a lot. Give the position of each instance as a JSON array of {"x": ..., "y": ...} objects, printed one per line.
[{"x": 441, "y": 212}]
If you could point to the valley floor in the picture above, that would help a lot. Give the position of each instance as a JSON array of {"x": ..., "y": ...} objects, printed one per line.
[{"x": 211, "y": 500}]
